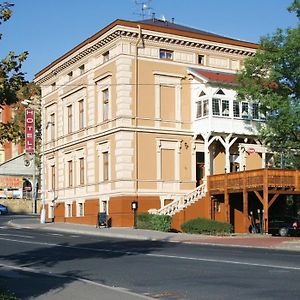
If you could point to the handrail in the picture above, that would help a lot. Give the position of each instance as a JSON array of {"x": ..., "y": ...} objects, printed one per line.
[
  {"x": 179, "y": 204},
  {"x": 255, "y": 179}
]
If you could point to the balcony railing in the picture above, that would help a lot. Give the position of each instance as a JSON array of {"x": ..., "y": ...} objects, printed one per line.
[{"x": 255, "y": 180}]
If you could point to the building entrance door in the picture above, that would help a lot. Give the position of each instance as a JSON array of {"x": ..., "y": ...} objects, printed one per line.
[{"x": 200, "y": 167}]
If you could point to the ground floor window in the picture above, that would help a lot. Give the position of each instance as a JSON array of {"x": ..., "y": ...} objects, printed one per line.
[
  {"x": 80, "y": 209},
  {"x": 68, "y": 210}
]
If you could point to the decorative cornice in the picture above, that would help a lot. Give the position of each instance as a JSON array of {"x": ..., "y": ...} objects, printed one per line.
[{"x": 132, "y": 33}]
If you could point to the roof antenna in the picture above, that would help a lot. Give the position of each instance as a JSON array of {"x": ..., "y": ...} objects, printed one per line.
[{"x": 143, "y": 8}]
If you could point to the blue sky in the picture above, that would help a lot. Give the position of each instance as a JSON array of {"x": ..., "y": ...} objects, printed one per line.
[{"x": 49, "y": 28}]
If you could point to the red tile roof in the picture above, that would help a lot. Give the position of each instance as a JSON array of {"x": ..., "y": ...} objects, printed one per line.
[{"x": 215, "y": 76}]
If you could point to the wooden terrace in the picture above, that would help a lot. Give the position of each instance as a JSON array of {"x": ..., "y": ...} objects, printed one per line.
[{"x": 266, "y": 185}]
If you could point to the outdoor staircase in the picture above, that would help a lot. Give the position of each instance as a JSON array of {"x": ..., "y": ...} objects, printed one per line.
[{"x": 180, "y": 204}]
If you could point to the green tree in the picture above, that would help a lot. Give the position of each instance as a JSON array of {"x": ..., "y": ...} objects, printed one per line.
[
  {"x": 13, "y": 85},
  {"x": 272, "y": 78}
]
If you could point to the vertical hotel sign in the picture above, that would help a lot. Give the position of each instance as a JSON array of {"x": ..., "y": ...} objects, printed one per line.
[{"x": 29, "y": 131}]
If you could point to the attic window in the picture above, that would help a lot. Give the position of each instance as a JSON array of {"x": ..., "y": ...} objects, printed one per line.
[
  {"x": 202, "y": 94},
  {"x": 53, "y": 86},
  {"x": 70, "y": 75},
  {"x": 165, "y": 54},
  {"x": 81, "y": 69},
  {"x": 201, "y": 59},
  {"x": 105, "y": 56},
  {"x": 220, "y": 92}
]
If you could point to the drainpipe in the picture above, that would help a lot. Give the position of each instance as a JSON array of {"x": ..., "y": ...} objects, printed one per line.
[{"x": 136, "y": 108}]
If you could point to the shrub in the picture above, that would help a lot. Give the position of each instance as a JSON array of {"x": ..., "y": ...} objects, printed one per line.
[
  {"x": 143, "y": 221},
  {"x": 205, "y": 226},
  {"x": 153, "y": 222},
  {"x": 5, "y": 295}
]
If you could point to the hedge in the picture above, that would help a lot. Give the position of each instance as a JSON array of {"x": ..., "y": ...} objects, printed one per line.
[
  {"x": 153, "y": 222},
  {"x": 205, "y": 226}
]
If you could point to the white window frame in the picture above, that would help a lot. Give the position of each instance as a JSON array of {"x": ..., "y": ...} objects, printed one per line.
[
  {"x": 80, "y": 207},
  {"x": 68, "y": 209},
  {"x": 166, "y": 54}
]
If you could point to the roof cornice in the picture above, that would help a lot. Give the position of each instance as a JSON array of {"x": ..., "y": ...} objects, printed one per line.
[{"x": 88, "y": 46}]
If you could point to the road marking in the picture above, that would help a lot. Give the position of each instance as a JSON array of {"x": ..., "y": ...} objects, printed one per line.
[
  {"x": 91, "y": 282},
  {"x": 17, "y": 235},
  {"x": 56, "y": 234},
  {"x": 224, "y": 261}
]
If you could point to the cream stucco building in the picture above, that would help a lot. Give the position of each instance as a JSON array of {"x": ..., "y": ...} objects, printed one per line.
[{"x": 143, "y": 111}]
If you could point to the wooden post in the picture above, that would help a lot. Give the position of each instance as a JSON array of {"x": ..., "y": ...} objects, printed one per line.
[
  {"x": 226, "y": 199},
  {"x": 266, "y": 201},
  {"x": 245, "y": 203}
]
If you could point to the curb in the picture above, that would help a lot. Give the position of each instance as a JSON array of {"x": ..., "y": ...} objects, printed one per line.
[{"x": 285, "y": 245}]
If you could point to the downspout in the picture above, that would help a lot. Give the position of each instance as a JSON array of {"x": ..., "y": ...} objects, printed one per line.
[{"x": 136, "y": 109}]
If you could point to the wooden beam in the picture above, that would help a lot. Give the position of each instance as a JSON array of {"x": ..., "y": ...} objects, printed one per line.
[
  {"x": 273, "y": 199},
  {"x": 259, "y": 197}
]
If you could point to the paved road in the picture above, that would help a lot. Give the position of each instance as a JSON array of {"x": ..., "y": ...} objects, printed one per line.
[{"x": 44, "y": 265}]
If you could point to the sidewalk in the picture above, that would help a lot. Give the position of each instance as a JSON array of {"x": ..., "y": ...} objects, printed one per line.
[{"x": 236, "y": 240}]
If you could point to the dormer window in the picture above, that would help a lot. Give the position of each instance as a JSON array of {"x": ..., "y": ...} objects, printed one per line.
[{"x": 165, "y": 54}]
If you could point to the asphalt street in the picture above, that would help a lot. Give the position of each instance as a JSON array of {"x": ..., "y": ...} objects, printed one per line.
[{"x": 40, "y": 264}]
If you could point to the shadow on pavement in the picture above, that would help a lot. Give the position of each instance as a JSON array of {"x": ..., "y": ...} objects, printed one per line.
[{"x": 52, "y": 268}]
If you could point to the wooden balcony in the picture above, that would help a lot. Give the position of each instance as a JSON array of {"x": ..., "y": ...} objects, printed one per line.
[
  {"x": 265, "y": 185},
  {"x": 255, "y": 180}
]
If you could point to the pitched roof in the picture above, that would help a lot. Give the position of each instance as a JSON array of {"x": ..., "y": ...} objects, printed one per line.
[{"x": 215, "y": 76}]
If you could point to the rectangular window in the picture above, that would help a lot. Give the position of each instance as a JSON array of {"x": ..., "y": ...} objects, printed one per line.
[
  {"x": 52, "y": 124},
  {"x": 245, "y": 110},
  {"x": 53, "y": 86},
  {"x": 53, "y": 178},
  {"x": 216, "y": 106},
  {"x": 81, "y": 69},
  {"x": 105, "y": 98},
  {"x": 70, "y": 173},
  {"x": 105, "y": 56},
  {"x": 69, "y": 211},
  {"x": 81, "y": 171},
  {"x": 225, "y": 108},
  {"x": 105, "y": 166},
  {"x": 199, "y": 109},
  {"x": 81, "y": 114},
  {"x": 70, "y": 75},
  {"x": 80, "y": 210},
  {"x": 201, "y": 59},
  {"x": 70, "y": 118},
  {"x": 255, "y": 112},
  {"x": 165, "y": 54},
  {"x": 236, "y": 109},
  {"x": 205, "y": 108}
]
